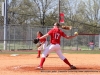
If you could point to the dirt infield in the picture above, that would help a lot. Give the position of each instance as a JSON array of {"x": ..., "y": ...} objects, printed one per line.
[{"x": 25, "y": 64}]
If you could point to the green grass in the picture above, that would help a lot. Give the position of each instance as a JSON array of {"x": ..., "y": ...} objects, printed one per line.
[
  {"x": 23, "y": 48},
  {"x": 19, "y": 52},
  {"x": 82, "y": 52},
  {"x": 79, "y": 47},
  {"x": 64, "y": 51}
]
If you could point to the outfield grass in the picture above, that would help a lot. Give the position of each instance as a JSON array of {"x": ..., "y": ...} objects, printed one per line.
[
  {"x": 83, "y": 52},
  {"x": 27, "y": 45},
  {"x": 64, "y": 51},
  {"x": 23, "y": 48}
]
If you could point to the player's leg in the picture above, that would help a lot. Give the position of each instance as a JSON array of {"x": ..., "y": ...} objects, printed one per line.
[
  {"x": 44, "y": 46},
  {"x": 44, "y": 54},
  {"x": 39, "y": 51},
  {"x": 59, "y": 53}
]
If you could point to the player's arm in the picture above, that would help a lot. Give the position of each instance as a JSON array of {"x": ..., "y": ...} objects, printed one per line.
[
  {"x": 70, "y": 37},
  {"x": 44, "y": 36}
]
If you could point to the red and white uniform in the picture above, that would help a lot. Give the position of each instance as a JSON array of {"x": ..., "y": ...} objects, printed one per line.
[
  {"x": 55, "y": 35},
  {"x": 91, "y": 44},
  {"x": 43, "y": 42}
]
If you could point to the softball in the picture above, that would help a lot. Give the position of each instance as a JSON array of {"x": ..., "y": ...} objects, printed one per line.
[{"x": 75, "y": 33}]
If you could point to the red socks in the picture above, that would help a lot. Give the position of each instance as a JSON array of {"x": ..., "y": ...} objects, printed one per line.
[
  {"x": 42, "y": 61},
  {"x": 67, "y": 62},
  {"x": 39, "y": 52}
]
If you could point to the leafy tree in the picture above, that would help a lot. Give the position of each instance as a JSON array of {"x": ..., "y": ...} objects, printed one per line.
[
  {"x": 20, "y": 12},
  {"x": 45, "y": 8},
  {"x": 31, "y": 12},
  {"x": 1, "y": 17}
]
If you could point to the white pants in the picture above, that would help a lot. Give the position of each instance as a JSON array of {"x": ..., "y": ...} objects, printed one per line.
[
  {"x": 53, "y": 47},
  {"x": 43, "y": 46},
  {"x": 92, "y": 47}
]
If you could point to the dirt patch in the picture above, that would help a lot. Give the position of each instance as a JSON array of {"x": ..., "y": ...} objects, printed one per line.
[{"x": 25, "y": 64}]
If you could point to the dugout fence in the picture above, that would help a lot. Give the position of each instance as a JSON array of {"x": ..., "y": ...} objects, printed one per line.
[{"x": 19, "y": 37}]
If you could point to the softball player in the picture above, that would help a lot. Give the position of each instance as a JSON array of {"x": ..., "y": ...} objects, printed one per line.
[
  {"x": 42, "y": 43},
  {"x": 55, "y": 33},
  {"x": 91, "y": 44}
]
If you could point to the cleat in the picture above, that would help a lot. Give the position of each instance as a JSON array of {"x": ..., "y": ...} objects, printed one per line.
[
  {"x": 73, "y": 67},
  {"x": 39, "y": 68}
]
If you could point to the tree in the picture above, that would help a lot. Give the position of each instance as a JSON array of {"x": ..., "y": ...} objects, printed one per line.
[
  {"x": 31, "y": 12},
  {"x": 45, "y": 8},
  {"x": 20, "y": 12},
  {"x": 1, "y": 17},
  {"x": 93, "y": 8}
]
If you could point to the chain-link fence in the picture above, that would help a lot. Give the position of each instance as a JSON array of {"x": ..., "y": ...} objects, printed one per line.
[{"x": 19, "y": 37}]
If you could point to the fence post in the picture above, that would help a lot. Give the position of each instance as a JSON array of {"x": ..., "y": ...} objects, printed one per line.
[
  {"x": 99, "y": 41},
  {"x": 5, "y": 26}
]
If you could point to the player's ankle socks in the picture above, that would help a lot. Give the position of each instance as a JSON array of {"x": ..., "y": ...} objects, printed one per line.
[
  {"x": 42, "y": 61},
  {"x": 67, "y": 62},
  {"x": 39, "y": 52}
]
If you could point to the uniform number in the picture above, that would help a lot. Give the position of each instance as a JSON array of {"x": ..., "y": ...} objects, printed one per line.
[{"x": 57, "y": 35}]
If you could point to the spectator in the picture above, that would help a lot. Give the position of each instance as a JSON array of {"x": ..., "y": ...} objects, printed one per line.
[{"x": 91, "y": 45}]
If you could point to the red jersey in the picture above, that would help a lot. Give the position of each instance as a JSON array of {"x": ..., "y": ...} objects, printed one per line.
[
  {"x": 41, "y": 40},
  {"x": 91, "y": 43},
  {"x": 56, "y": 34}
]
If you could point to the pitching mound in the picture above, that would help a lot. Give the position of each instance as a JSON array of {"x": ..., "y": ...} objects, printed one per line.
[{"x": 27, "y": 68}]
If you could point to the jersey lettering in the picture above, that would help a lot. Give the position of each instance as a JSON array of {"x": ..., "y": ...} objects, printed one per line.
[{"x": 57, "y": 35}]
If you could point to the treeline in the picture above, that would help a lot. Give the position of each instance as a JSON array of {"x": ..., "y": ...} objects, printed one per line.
[{"x": 45, "y": 12}]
